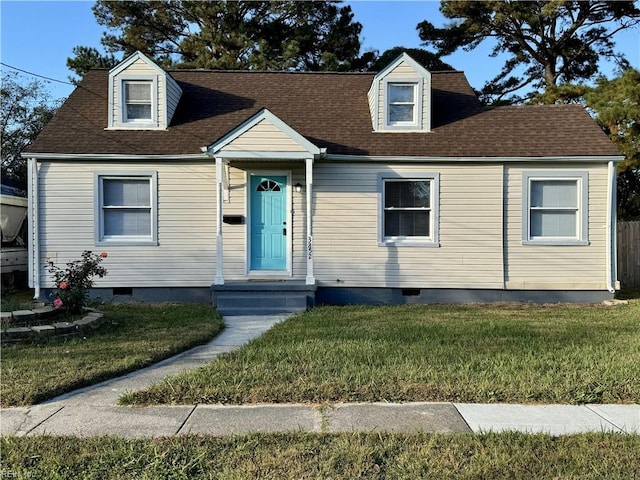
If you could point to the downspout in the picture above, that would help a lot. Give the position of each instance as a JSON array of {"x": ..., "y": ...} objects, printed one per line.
[
  {"x": 505, "y": 260},
  {"x": 611, "y": 228},
  {"x": 34, "y": 235}
]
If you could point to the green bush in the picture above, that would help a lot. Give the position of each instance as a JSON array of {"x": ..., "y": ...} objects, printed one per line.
[{"x": 73, "y": 282}]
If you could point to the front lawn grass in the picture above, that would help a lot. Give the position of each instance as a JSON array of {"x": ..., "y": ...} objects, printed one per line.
[
  {"x": 514, "y": 353},
  {"x": 326, "y": 456},
  {"x": 131, "y": 337}
]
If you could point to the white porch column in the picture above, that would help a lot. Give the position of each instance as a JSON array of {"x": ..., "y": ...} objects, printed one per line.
[
  {"x": 310, "y": 280},
  {"x": 219, "y": 280}
]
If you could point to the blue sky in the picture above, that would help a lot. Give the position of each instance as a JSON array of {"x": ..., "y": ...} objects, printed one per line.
[{"x": 39, "y": 36}]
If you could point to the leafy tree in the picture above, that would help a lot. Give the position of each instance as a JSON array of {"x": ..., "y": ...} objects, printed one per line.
[
  {"x": 617, "y": 106},
  {"x": 427, "y": 59},
  {"x": 25, "y": 108},
  {"x": 265, "y": 35},
  {"x": 548, "y": 43}
]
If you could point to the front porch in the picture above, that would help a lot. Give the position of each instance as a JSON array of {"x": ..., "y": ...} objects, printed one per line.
[
  {"x": 254, "y": 297},
  {"x": 264, "y": 196}
]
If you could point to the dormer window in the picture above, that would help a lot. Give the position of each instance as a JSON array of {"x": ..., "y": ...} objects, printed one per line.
[
  {"x": 400, "y": 97},
  {"x": 142, "y": 96},
  {"x": 402, "y": 104},
  {"x": 137, "y": 100}
]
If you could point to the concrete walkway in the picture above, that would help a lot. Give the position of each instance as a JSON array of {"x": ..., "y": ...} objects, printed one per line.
[{"x": 93, "y": 411}]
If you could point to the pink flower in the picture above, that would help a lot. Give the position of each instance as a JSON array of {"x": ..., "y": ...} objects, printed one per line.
[
  {"x": 63, "y": 285},
  {"x": 57, "y": 303}
]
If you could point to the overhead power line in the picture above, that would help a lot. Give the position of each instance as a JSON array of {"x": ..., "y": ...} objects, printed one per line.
[{"x": 35, "y": 74}]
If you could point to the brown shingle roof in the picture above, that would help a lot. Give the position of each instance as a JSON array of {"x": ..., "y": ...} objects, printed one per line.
[{"x": 329, "y": 109}]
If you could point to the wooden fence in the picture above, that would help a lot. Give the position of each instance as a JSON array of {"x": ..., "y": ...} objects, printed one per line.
[{"x": 629, "y": 254}]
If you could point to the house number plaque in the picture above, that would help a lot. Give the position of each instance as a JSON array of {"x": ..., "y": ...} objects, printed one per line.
[{"x": 309, "y": 247}]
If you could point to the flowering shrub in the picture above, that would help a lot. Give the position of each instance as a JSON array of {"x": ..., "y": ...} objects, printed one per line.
[{"x": 75, "y": 280}]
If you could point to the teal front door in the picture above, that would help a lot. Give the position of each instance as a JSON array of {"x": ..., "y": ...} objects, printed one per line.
[{"x": 268, "y": 222}]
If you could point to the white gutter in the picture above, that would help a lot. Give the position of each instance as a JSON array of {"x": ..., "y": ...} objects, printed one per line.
[
  {"x": 115, "y": 156},
  {"x": 34, "y": 235},
  {"x": 611, "y": 227},
  {"x": 322, "y": 156},
  {"x": 410, "y": 159}
]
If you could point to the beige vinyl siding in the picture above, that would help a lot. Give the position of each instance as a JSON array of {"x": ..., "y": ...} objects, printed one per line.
[
  {"x": 117, "y": 103},
  {"x": 346, "y": 234},
  {"x": 404, "y": 71},
  {"x": 140, "y": 67},
  {"x": 563, "y": 267},
  {"x": 173, "y": 97},
  {"x": 371, "y": 96},
  {"x": 185, "y": 256},
  {"x": 265, "y": 137},
  {"x": 162, "y": 100}
]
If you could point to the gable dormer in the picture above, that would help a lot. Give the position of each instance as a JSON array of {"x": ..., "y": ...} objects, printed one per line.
[
  {"x": 400, "y": 97},
  {"x": 141, "y": 95}
]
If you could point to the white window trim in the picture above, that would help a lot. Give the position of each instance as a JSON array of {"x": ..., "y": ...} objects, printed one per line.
[
  {"x": 122, "y": 114},
  {"x": 414, "y": 125},
  {"x": 100, "y": 238},
  {"x": 434, "y": 239},
  {"x": 582, "y": 217}
]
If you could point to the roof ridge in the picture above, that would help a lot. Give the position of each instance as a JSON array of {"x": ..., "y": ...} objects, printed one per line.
[
  {"x": 288, "y": 72},
  {"x": 538, "y": 105},
  {"x": 305, "y": 72}
]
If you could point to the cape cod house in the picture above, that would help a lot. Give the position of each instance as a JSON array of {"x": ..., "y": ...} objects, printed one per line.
[{"x": 339, "y": 187}]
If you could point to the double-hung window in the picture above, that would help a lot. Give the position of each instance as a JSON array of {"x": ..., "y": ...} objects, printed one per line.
[
  {"x": 126, "y": 208},
  {"x": 139, "y": 102},
  {"x": 555, "y": 208},
  {"x": 409, "y": 209},
  {"x": 403, "y": 104}
]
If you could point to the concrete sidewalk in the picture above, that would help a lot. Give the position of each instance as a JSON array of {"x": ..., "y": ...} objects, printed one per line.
[
  {"x": 93, "y": 411},
  {"x": 139, "y": 422}
]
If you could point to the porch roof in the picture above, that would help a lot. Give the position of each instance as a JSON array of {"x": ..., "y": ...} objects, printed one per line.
[{"x": 263, "y": 136}]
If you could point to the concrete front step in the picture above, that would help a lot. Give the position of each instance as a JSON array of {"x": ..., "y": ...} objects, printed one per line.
[
  {"x": 253, "y": 303},
  {"x": 262, "y": 298},
  {"x": 243, "y": 312},
  {"x": 275, "y": 300}
]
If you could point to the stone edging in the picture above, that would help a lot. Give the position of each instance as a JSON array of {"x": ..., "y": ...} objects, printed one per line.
[{"x": 47, "y": 327}]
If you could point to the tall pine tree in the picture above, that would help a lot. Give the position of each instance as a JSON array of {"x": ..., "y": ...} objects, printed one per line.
[
  {"x": 547, "y": 43},
  {"x": 263, "y": 35}
]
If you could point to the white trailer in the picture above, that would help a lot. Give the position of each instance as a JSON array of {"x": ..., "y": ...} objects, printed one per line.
[{"x": 14, "y": 254}]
